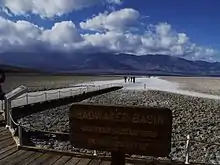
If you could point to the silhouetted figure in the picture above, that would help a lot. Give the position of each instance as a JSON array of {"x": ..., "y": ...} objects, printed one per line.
[
  {"x": 133, "y": 78},
  {"x": 2, "y": 79},
  {"x": 125, "y": 77}
]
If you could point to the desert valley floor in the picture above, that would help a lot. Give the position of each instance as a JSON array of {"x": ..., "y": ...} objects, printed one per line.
[{"x": 195, "y": 105}]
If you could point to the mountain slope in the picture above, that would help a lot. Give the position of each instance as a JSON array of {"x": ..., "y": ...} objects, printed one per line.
[{"x": 111, "y": 63}]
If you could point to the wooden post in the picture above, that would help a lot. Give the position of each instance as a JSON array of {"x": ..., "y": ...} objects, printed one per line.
[
  {"x": 6, "y": 111},
  {"x": 59, "y": 94},
  {"x": 2, "y": 105},
  {"x": 118, "y": 158},
  {"x": 20, "y": 135},
  {"x": 45, "y": 94},
  {"x": 187, "y": 149},
  {"x": 27, "y": 98}
]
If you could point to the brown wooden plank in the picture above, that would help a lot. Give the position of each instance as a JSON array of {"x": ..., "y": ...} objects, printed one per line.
[
  {"x": 62, "y": 160},
  {"x": 105, "y": 163},
  {"x": 6, "y": 148},
  {"x": 52, "y": 160},
  {"x": 7, "y": 142},
  {"x": 95, "y": 162},
  {"x": 8, "y": 152},
  {"x": 30, "y": 158},
  {"x": 3, "y": 137},
  {"x": 24, "y": 156},
  {"x": 2, "y": 129},
  {"x": 73, "y": 161},
  {"x": 15, "y": 157},
  {"x": 41, "y": 159},
  {"x": 84, "y": 161},
  {"x": 5, "y": 132}
]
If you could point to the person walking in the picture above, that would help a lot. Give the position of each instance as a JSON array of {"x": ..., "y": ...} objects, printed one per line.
[{"x": 125, "y": 78}]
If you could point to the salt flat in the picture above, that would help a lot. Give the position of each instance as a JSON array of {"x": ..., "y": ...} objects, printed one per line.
[
  {"x": 210, "y": 85},
  {"x": 177, "y": 85},
  {"x": 156, "y": 83}
]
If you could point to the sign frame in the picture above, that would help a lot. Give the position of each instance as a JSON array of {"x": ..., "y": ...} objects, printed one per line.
[{"x": 121, "y": 129}]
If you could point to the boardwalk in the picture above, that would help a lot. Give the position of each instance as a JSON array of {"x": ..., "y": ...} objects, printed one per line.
[
  {"x": 11, "y": 155},
  {"x": 39, "y": 96}
]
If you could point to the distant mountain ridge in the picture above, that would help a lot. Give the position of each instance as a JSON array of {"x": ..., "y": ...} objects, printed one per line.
[{"x": 108, "y": 63}]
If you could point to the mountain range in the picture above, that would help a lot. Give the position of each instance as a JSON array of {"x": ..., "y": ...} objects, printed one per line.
[{"x": 109, "y": 63}]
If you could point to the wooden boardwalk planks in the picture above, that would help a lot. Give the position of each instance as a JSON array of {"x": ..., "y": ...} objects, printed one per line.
[
  {"x": 73, "y": 161},
  {"x": 62, "y": 160},
  {"x": 10, "y": 155},
  {"x": 30, "y": 159}
]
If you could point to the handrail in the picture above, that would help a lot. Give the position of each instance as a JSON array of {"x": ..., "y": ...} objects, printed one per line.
[
  {"x": 13, "y": 119},
  {"x": 35, "y": 95},
  {"x": 20, "y": 126},
  {"x": 70, "y": 92},
  {"x": 187, "y": 148}
]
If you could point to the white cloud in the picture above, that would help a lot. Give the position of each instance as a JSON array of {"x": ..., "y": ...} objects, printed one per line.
[
  {"x": 64, "y": 36},
  {"x": 49, "y": 8},
  {"x": 117, "y": 2},
  {"x": 114, "y": 21},
  {"x": 160, "y": 39}
]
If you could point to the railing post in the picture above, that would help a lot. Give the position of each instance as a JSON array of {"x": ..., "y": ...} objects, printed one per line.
[
  {"x": 20, "y": 135},
  {"x": 2, "y": 105},
  {"x": 58, "y": 94},
  {"x": 45, "y": 94},
  {"x": 7, "y": 117},
  {"x": 27, "y": 98},
  {"x": 8, "y": 110},
  {"x": 94, "y": 153},
  {"x": 187, "y": 149}
]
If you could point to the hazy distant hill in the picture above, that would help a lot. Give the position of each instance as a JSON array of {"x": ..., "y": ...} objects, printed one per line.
[
  {"x": 16, "y": 69},
  {"x": 112, "y": 64}
]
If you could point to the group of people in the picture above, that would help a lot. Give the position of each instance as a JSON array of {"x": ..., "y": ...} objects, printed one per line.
[{"x": 129, "y": 79}]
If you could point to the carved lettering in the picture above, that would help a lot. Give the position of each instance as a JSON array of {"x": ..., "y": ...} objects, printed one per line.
[
  {"x": 118, "y": 131},
  {"x": 118, "y": 144},
  {"x": 135, "y": 118}
]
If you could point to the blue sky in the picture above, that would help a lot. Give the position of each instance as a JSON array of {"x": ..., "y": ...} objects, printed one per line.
[{"x": 180, "y": 28}]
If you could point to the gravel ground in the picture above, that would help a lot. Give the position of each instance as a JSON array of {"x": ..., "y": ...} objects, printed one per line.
[{"x": 197, "y": 117}]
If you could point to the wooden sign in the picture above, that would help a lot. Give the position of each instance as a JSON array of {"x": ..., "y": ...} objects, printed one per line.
[{"x": 118, "y": 129}]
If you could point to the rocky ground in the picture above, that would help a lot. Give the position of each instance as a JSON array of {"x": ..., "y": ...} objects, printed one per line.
[{"x": 198, "y": 117}]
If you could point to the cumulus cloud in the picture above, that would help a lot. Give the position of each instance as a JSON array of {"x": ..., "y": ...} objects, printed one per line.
[
  {"x": 116, "y": 20},
  {"x": 117, "y": 2},
  {"x": 158, "y": 39},
  {"x": 49, "y": 8},
  {"x": 65, "y": 37}
]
